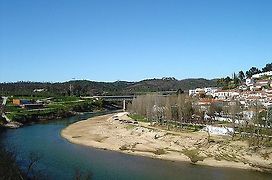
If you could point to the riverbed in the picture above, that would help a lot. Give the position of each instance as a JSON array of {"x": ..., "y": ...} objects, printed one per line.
[{"x": 61, "y": 159}]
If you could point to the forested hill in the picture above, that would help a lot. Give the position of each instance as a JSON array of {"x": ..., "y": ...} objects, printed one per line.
[
  {"x": 169, "y": 84},
  {"x": 84, "y": 87}
]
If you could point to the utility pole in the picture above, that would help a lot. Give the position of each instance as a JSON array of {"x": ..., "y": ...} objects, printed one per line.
[
  {"x": 124, "y": 105},
  {"x": 71, "y": 87}
]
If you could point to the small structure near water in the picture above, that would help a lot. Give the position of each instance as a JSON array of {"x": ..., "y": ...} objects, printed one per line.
[{"x": 27, "y": 104}]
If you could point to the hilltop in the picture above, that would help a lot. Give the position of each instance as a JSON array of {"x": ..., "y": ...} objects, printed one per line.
[{"x": 85, "y": 87}]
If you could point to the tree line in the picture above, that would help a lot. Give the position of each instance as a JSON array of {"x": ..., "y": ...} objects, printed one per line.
[
  {"x": 91, "y": 88},
  {"x": 179, "y": 110},
  {"x": 238, "y": 78}
]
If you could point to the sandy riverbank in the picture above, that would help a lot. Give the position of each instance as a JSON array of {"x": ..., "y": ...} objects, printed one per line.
[{"x": 141, "y": 139}]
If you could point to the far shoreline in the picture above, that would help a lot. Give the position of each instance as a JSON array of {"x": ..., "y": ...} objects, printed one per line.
[{"x": 81, "y": 133}]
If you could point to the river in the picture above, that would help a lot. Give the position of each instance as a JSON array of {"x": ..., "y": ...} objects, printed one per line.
[{"x": 60, "y": 159}]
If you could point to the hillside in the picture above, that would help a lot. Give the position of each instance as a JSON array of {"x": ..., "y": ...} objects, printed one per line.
[
  {"x": 169, "y": 84},
  {"x": 85, "y": 87}
]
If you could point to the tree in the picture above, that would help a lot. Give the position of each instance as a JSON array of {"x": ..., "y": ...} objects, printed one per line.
[
  {"x": 180, "y": 91},
  {"x": 34, "y": 158},
  {"x": 268, "y": 67},
  {"x": 180, "y": 105},
  {"x": 188, "y": 110},
  {"x": 149, "y": 105},
  {"x": 9, "y": 168},
  {"x": 234, "y": 111},
  {"x": 224, "y": 82},
  {"x": 269, "y": 117},
  {"x": 227, "y": 80},
  {"x": 252, "y": 71},
  {"x": 257, "y": 119},
  {"x": 168, "y": 111},
  {"x": 77, "y": 90},
  {"x": 241, "y": 76},
  {"x": 235, "y": 79},
  {"x": 214, "y": 108}
]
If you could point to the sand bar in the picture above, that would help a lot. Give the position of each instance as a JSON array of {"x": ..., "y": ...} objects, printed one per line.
[{"x": 117, "y": 132}]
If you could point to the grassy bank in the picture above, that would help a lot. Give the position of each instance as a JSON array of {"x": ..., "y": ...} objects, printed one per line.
[
  {"x": 173, "y": 125},
  {"x": 59, "y": 107}
]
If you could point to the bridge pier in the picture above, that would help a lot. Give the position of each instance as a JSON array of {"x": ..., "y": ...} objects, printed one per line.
[
  {"x": 123, "y": 99},
  {"x": 124, "y": 105}
]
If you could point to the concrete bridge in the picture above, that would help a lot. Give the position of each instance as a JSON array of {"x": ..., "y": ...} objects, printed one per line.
[
  {"x": 115, "y": 98},
  {"x": 124, "y": 99}
]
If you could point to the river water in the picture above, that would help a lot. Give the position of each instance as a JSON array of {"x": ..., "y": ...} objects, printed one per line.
[{"x": 60, "y": 159}]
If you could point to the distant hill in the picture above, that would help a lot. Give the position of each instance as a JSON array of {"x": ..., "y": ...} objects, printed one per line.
[
  {"x": 169, "y": 84},
  {"x": 85, "y": 87}
]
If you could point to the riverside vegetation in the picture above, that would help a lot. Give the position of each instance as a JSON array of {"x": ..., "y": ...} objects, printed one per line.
[
  {"x": 180, "y": 113},
  {"x": 56, "y": 107}
]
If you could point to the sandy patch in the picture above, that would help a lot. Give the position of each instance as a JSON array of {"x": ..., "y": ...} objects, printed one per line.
[{"x": 118, "y": 133}]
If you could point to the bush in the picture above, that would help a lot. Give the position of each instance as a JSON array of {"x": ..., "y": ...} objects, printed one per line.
[
  {"x": 137, "y": 117},
  {"x": 193, "y": 155},
  {"x": 124, "y": 148},
  {"x": 8, "y": 166},
  {"x": 160, "y": 152}
]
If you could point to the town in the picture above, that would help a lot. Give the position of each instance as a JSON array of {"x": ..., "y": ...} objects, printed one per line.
[{"x": 253, "y": 93}]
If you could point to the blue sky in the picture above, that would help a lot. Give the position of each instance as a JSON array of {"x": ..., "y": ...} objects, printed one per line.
[{"x": 109, "y": 40}]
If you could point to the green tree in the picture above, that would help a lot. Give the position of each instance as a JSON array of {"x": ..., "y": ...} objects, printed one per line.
[
  {"x": 268, "y": 67},
  {"x": 252, "y": 71},
  {"x": 234, "y": 111},
  {"x": 241, "y": 76},
  {"x": 235, "y": 79},
  {"x": 269, "y": 116}
]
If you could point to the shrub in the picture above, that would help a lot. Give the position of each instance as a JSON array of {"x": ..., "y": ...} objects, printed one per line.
[
  {"x": 193, "y": 155},
  {"x": 160, "y": 152}
]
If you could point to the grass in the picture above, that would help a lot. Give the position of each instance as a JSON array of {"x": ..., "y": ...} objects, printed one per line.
[
  {"x": 13, "y": 108},
  {"x": 128, "y": 127},
  {"x": 138, "y": 117},
  {"x": 55, "y": 108},
  {"x": 193, "y": 155},
  {"x": 193, "y": 127},
  {"x": 24, "y": 114},
  {"x": 227, "y": 157},
  {"x": 223, "y": 122},
  {"x": 66, "y": 98},
  {"x": 127, "y": 147}
]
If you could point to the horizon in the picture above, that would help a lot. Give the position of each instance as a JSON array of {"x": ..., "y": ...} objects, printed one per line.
[
  {"x": 108, "y": 41},
  {"x": 104, "y": 81}
]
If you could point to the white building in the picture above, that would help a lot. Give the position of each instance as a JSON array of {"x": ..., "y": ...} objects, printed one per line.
[
  {"x": 225, "y": 94},
  {"x": 249, "y": 82},
  {"x": 269, "y": 73},
  {"x": 196, "y": 91},
  {"x": 248, "y": 115},
  {"x": 39, "y": 90},
  {"x": 192, "y": 92},
  {"x": 210, "y": 90},
  {"x": 256, "y": 88},
  {"x": 205, "y": 91}
]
